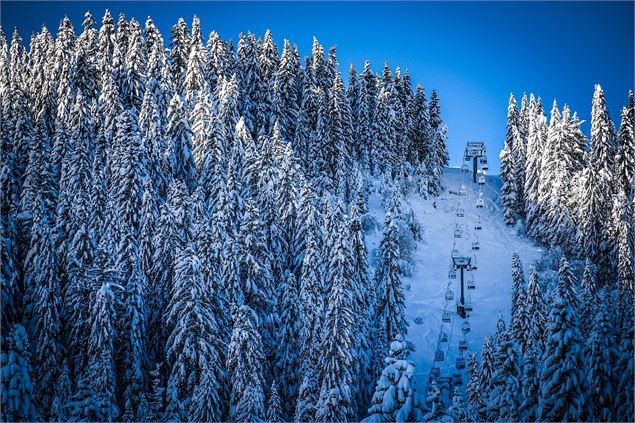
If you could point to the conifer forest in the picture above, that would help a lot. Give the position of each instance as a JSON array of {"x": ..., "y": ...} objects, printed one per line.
[{"x": 204, "y": 229}]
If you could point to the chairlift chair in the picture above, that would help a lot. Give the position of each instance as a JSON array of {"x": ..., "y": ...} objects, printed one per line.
[
  {"x": 460, "y": 213},
  {"x": 480, "y": 203},
  {"x": 481, "y": 180},
  {"x": 449, "y": 294},
  {"x": 460, "y": 363},
  {"x": 471, "y": 285},
  {"x": 443, "y": 336},
  {"x": 468, "y": 307},
  {"x": 438, "y": 355},
  {"x": 445, "y": 317},
  {"x": 455, "y": 253},
  {"x": 474, "y": 264},
  {"x": 452, "y": 274},
  {"x": 478, "y": 226},
  {"x": 435, "y": 372},
  {"x": 465, "y": 327},
  {"x": 457, "y": 233},
  {"x": 462, "y": 190},
  {"x": 476, "y": 246},
  {"x": 462, "y": 345},
  {"x": 456, "y": 379}
]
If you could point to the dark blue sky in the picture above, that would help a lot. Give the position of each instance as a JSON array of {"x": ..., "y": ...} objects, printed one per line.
[{"x": 473, "y": 53}]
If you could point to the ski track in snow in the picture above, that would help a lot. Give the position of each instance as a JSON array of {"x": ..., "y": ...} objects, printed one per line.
[{"x": 425, "y": 289}]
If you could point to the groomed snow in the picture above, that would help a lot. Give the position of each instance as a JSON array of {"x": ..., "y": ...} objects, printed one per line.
[{"x": 425, "y": 289}]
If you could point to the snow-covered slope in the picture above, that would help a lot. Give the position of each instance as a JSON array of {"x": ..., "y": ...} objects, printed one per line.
[{"x": 426, "y": 288}]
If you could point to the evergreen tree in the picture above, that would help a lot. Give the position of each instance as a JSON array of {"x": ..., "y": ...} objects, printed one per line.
[
  {"x": 474, "y": 396},
  {"x": 599, "y": 356},
  {"x": 336, "y": 392},
  {"x": 504, "y": 385},
  {"x": 509, "y": 196},
  {"x": 274, "y": 409},
  {"x": 561, "y": 375},
  {"x": 487, "y": 368},
  {"x": 394, "y": 398},
  {"x": 17, "y": 389},
  {"x": 625, "y": 158},
  {"x": 288, "y": 344},
  {"x": 520, "y": 320},
  {"x": 179, "y": 161},
  {"x": 245, "y": 362},
  {"x": 193, "y": 346},
  {"x": 389, "y": 307}
]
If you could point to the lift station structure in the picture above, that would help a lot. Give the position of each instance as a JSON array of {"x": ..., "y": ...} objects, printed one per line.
[{"x": 475, "y": 151}]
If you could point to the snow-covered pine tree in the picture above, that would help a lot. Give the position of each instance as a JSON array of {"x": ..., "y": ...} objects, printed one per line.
[
  {"x": 568, "y": 284},
  {"x": 389, "y": 304},
  {"x": 394, "y": 398},
  {"x": 128, "y": 172},
  {"x": 509, "y": 196},
  {"x": 520, "y": 320},
  {"x": 245, "y": 362},
  {"x": 288, "y": 342},
  {"x": 589, "y": 300},
  {"x": 18, "y": 402},
  {"x": 536, "y": 311},
  {"x": 474, "y": 401},
  {"x": 194, "y": 79},
  {"x": 337, "y": 391},
  {"x": 43, "y": 306},
  {"x": 536, "y": 139},
  {"x": 600, "y": 354},
  {"x": 562, "y": 382},
  {"x": 486, "y": 370},
  {"x": 193, "y": 345},
  {"x": 625, "y": 158},
  {"x": 179, "y": 161},
  {"x": 274, "y": 409},
  {"x": 504, "y": 385}
]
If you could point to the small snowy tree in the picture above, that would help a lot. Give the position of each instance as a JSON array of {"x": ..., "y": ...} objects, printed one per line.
[{"x": 394, "y": 398}]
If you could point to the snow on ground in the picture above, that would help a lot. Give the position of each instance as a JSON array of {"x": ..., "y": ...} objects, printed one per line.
[{"x": 425, "y": 289}]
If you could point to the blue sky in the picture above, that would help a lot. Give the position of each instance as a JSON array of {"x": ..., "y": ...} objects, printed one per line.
[{"x": 473, "y": 53}]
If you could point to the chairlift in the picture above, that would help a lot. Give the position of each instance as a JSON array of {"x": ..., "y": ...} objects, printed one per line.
[
  {"x": 483, "y": 160},
  {"x": 465, "y": 327},
  {"x": 439, "y": 356},
  {"x": 455, "y": 253},
  {"x": 468, "y": 307},
  {"x": 476, "y": 246},
  {"x": 462, "y": 345},
  {"x": 474, "y": 264},
  {"x": 435, "y": 372},
  {"x": 452, "y": 274},
  {"x": 445, "y": 317},
  {"x": 481, "y": 180},
  {"x": 478, "y": 226},
  {"x": 456, "y": 379},
  {"x": 462, "y": 190},
  {"x": 460, "y": 213},
  {"x": 480, "y": 203},
  {"x": 449, "y": 294},
  {"x": 471, "y": 284},
  {"x": 460, "y": 363},
  {"x": 443, "y": 336},
  {"x": 457, "y": 233}
]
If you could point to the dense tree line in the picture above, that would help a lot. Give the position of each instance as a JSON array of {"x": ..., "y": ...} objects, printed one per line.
[
  {"x": 567, "y": 354},
  {"x": 183, "y": 227},
  {"x": 570, "y": 191},
  {"x": 576, "y": 195}
]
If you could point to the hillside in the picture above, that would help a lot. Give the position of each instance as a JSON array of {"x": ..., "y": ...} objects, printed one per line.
[{"x": 425, "y": 297}]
